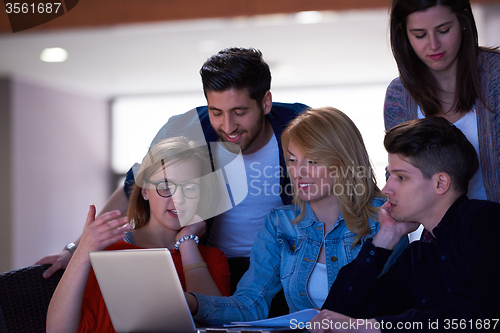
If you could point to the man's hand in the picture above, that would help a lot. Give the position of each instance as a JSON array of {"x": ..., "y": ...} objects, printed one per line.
[
  {"x": 101, "y": 232},
  {"x": 391, "y": 230},
  {"x": 387, "y": 221},
  {"x": 58, "y": 261},
  {"x": 329, "y": 321}
]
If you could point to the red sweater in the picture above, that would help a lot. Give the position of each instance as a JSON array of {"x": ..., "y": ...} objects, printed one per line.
[{"x": 95, "y": 317}]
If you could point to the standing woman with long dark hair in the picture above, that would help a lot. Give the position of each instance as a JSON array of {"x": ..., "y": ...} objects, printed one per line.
[{"x": 443, "y": 72}]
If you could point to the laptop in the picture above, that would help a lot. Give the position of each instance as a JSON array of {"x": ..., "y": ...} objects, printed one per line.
[{"x": 142, "y": 291}]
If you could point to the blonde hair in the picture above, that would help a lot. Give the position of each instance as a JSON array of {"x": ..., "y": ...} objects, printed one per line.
[
  {"x": 167, "y": 152},
  {"x": 330, "y": 138}
]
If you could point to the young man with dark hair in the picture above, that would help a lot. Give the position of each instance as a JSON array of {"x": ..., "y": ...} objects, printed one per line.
[
  {"x": 446, "y": 280},
  {"x": 240, "y": 118}
]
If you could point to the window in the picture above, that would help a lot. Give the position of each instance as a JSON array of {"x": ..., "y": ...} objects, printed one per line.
[{"x": 136, "y": 120}]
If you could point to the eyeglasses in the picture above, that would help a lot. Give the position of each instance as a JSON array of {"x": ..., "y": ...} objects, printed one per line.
[{"x": 166, "y": 189}]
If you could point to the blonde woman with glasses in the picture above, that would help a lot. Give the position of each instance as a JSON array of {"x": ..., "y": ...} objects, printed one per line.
[{"x": 170, "y": 199}]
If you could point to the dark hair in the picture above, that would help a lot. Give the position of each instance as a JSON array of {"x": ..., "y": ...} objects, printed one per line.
[
  {"x": 434, "y": 145},
  {"x": 237, "y": 68},
  {"x": 416, "y": 76}
]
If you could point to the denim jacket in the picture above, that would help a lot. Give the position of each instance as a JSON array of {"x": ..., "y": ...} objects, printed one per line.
[{"x": 283, "y": 256}]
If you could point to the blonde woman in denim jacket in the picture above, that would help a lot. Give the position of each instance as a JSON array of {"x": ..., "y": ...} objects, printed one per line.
[{"x": 303, "y": 246}]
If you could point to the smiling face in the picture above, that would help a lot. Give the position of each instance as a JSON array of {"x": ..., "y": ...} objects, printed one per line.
[
  {"x": 238, "y": 119},
  {"x": 411, "y": 197},
  {"x": 177, "y": 210},
  {"x": 435, "y": 35},
  {"x": 312, "y": 182}
]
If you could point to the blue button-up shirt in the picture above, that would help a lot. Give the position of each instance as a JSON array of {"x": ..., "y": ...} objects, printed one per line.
[{"x": 283, "y": 256}]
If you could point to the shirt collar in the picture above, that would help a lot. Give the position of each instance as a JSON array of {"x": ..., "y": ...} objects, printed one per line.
[
  {"x": 310, "y": 218},
  {"x": 427, "y": 237},
  {"x": 446, "y": 222}
]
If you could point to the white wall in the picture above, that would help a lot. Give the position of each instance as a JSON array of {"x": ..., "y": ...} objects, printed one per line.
[
  {"x": 54, "y": 145},
  {"x": 59, "y": 166},
  {"x": 5, "y": 179},
  {"x": 490, "y": 33}
]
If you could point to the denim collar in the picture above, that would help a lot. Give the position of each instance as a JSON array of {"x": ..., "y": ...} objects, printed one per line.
[{"x": 310, "y": 218}]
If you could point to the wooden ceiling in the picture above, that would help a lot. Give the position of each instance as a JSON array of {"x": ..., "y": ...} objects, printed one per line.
[{"x": 95, "y": 13}]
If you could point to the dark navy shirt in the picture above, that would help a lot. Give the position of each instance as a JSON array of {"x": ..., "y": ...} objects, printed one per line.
[{"x": 452, "y": 281}]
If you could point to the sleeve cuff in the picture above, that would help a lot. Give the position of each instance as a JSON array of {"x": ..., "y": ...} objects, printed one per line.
[
  {"x": 205, "y": 307},
  {"x": 372, "y": 256}
]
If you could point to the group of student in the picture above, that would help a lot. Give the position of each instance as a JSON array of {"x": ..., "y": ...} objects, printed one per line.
[{"x": 323, "y": 244}]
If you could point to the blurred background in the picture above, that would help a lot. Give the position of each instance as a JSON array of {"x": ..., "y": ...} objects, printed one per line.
[{"x": 71, "y": 126}]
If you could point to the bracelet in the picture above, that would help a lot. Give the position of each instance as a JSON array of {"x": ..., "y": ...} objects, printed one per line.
[
  {"x": 71, "y": 247},
  {"x": 185, "y": 238},
  {"x": 193, "y": 266}
]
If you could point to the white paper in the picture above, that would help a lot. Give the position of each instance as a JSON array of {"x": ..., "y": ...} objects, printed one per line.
[{"x": 302, "y": 316}]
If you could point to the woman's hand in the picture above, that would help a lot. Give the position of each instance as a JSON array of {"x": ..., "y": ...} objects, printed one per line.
[
  {"x": 65, "y": 307},
  {"x": 99, "y": 233},
  {"x": 196, "y": 272},
  {"x": 195, "y": 227}
]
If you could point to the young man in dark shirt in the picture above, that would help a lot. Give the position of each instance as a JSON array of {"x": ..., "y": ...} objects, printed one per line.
[{"x": 447, "y": 280}]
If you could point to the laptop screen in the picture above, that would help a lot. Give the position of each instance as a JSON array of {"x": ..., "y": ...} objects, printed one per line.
[{"x": 142, "y": 291}]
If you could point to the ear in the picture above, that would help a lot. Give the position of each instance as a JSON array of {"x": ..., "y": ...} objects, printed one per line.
[
  {"x": 267, "y": 102},
  {"x": 144, "y": 193},
  {"x": 443, "y": 182}
]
